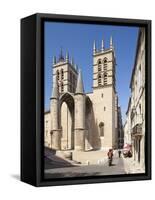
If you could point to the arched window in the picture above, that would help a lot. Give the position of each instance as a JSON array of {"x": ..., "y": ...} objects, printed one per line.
[
  {"x": 105, "y": 64},
  {"x": 99, "y": 79},
  {"x": 105, "y": 78},
  {"x": 101, "y": 128},
  {"x": 99, "y": 65},
  {"x": 62, "y": 74},
  {"x": 57, "y": 74}
]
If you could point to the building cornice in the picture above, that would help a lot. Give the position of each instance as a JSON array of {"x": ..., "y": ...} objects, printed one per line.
[{"x": 102, "y": 52}]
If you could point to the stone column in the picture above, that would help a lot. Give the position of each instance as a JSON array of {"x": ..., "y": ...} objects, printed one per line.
[
  {"x": 79, "y": 131},
  {"x": 56, "y": 139},
  {"x": 55, "y": 132},
  {"x": 54, "y": 110},
  {"x": 80, "y": 114}
]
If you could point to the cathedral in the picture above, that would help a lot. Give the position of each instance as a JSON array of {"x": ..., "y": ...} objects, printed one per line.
[{"x": 81, "y": 122}]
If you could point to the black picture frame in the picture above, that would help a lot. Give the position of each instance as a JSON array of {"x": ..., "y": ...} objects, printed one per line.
[{"x": 32, "y": 99}]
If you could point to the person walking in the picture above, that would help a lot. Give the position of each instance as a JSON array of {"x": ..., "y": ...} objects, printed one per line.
[
  {"x": 110, "y": 156},
  {"x": 119, "y": 153}
]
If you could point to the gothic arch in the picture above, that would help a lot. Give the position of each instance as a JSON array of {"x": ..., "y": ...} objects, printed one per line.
[
  {"x": 69, "y": 99},
  {"x": 105, "y": 65},
  {"x": 99, "y": 61},
  {"x": 66, "y": 106},
  {"x": 105, "y": 60}
]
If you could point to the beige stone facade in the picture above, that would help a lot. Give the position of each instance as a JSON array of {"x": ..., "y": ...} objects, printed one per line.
[
  {"x": 127, "y": 125},
  {"x": 78, "y": 121},
  {"x": 135, "y": 122}
]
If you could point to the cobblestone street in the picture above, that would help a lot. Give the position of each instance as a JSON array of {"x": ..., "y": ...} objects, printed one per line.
[{"x": 119, "y": 166}]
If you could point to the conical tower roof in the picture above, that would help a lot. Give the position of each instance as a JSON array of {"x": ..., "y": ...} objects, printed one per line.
[{"x": 79, "y": 87}]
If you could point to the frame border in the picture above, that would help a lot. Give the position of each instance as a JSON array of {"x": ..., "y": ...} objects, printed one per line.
[{"x": 36, "y": 41}]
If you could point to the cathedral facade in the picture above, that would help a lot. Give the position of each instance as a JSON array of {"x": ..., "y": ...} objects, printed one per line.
[{"x": 78, "y": 121}]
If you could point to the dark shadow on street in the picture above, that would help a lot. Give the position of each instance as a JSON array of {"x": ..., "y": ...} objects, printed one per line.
[{"x": 52, "y": 161}]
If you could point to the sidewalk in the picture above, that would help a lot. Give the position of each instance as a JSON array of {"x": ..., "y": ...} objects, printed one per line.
[{"x": 132, "y": 167}]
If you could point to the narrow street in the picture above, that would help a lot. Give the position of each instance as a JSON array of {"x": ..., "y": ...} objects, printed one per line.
[{"x": 119, "y": 166}]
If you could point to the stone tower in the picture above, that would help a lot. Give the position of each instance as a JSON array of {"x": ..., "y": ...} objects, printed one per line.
[
  {"x": 104, "y": 93},
  {"x": 65, "y": 72},
  {"x": 104, "y": 66}
]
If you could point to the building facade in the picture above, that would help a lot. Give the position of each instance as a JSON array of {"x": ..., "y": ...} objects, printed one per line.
[
  {"x": 127, "y": 125},
  {"x": 120, "y": 129},
  {"x": 79, "y": 121},
  {"x": 135, "y": 121}
]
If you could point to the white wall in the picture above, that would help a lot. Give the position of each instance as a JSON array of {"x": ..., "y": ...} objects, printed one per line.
[{"x": 10, "y": 14}]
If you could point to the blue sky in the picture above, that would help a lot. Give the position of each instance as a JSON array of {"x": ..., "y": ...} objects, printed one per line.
[{"x": 78, "y": 39}]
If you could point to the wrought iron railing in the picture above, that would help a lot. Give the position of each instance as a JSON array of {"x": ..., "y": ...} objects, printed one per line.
[{"x": 137, "y": 129}]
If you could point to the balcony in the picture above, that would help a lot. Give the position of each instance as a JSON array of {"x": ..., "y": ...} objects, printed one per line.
[{"x": 137, "y": 130}]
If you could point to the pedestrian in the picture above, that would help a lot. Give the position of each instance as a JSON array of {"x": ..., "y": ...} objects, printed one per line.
[
  {"x": 110, "y": 156},
  {"x": 119, "y": 153}
]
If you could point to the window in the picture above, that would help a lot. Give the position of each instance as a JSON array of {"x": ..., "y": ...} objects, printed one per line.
[
  {"x": 101, "y": 127},
  {"x": 62, "y": 74},
  {"x": 104, "y": 108},
  {"x": 99, "y": 66},
  {"x": 57, "y": 74},
  {"x": 99, "y": 79},
  {"x": 105, "y": 64},
  {"x": 105, "y": 78}
]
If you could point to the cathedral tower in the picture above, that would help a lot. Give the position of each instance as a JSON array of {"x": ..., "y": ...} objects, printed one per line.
[
  {"x": 104, "y": 66},
  {"x": 104, "y": 93},
  {"x": 65, "y": 72}
]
